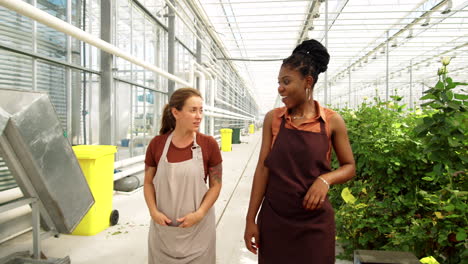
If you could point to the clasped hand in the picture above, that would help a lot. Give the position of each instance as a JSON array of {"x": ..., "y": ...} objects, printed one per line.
[
  {"x": 315, "y": 196},
  {"x": 188, "y": 220}
]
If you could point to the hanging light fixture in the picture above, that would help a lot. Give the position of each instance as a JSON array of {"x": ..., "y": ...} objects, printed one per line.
[
  {"x": 426, "y": 22},
  {"x": 316, "y": 11},
  {"x": 448, "y": 9},
  {"x": 410, "y": 33}
]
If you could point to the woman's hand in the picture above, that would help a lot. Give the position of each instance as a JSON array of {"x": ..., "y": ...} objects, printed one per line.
[
  {"x": 316, "y": 195},
  {"x": 251, "y": 237},
  {"x": 190, "y": 219},
  {"x": 160, "y": 218}
]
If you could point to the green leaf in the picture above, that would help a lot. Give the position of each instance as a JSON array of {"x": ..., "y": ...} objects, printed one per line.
[
  {"x": 429, "y": 260},
  {"x": 449, "y": 208},
  {"x": 454, "y": 105},
  {"x": 428, "y": 96},
  {"x": 461, "y": 235},
  {"x": 461, "y": 96},
  {"x": 436, "y": 105},
  {"x": 460, "y": 83},
  {"x": 347, "y": 196},
  {"x": 449, "y": 95},
  {"x": 428, "y": 178},
  {"x": 439, "y": 85}
]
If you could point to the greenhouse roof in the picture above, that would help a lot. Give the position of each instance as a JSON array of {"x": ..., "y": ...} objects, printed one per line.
[{"x": 417, "y": 33}]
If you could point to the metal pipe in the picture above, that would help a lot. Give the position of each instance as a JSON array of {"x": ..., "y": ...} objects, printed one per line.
[
  {"x": 36, "y": 223},
  {"x": 349, "y": 88},
  {"x": 68, "y": 75},
  {"x": 105, "y": 91},
  {"x": 411, "y": 84},
  {"x": 170, "y": 48},
  {"x": 202, "y": 90},
  {"x": 34, "y": 49},
  {"x": 129, "y": 161},
  {"x": 387, "y": 69},
  {"x": 58, "y": 24}
]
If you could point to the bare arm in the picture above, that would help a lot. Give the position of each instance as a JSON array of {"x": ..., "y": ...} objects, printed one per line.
[
  {"x": 150, "y": 197},
  {"x": 318, "y": 191},
  {"x": 215, "y": 183},
  {"x": 258, "y": 187},
  {"x": 343, "y": 151}
]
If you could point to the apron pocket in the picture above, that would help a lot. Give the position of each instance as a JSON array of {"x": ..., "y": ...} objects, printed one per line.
[{"x": 179, "y": 242}]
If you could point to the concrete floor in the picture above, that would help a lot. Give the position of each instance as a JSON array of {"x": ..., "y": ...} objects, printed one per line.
[{"x": 126, "y": 242}]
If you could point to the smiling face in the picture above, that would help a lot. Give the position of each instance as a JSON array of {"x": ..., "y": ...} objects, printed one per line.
[
  {"x": 292, "y": 87},
  {"x": 190, "y": 116}
]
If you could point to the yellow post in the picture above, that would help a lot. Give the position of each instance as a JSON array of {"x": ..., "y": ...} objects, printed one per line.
[
  {"x": 226, "y": 139},
  {"x": 97, "y": 164},
  {"x": 251, "y": 128}
]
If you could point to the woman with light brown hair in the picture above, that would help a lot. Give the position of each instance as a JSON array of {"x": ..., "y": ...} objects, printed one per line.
[{"x": 178, "y": 162}]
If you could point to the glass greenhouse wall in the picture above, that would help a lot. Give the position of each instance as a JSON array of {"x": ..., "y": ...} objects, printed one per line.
[{"x": 37, "y": 57}]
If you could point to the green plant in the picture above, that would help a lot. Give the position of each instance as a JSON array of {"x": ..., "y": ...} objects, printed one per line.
[{"x": 410, "y": 188}]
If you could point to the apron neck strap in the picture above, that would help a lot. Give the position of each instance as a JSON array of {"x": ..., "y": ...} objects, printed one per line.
[
  {"x": 168, "y": 143},
  {"x": 166, "y": 146}
]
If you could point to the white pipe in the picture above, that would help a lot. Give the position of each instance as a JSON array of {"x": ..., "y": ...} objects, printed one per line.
[
  {"x": 202, "y": 92},
  {"x": 60, "y": 25},
  {"x": 212, "y": 114},
  {"x": 191, "y": 73},
  {"x": 14, "y": 213},
  {"x": 229, "y": 113},
  {"x": 126, "y": 162},
  {"x": 212, "y": 102},
  {"x": 10, "y": 195},
  {"x": 129, "y": 171}
]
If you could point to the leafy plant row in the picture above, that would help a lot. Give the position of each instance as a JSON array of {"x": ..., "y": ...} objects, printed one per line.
[{"x": 410, "y": 189}]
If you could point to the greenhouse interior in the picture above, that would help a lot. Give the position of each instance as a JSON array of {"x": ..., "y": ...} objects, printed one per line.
[{"x": 98, "y": 73}]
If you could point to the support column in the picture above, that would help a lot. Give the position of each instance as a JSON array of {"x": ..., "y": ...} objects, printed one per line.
[
  {"x": 325, "y": 86},
  {"x": 349, "y": 87},
  {"x": 387, "y": 70},
  {"x": 411, "y": 85},
  {"x": 171, "y": 48},
  {"x": 76, "y": 81},
  {"x": 105, "y": 105}
]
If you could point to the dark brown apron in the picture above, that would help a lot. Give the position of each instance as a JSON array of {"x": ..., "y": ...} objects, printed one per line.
[{"x": 288, "y": 232}]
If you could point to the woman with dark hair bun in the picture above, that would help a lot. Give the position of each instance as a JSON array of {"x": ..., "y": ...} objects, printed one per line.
[
  {"x": 178, "y": 163},
  {"x": 293, "y": 175}
]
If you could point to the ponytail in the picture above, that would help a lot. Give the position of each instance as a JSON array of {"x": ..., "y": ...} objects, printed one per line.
[
  {"x": 177, "y": 101},
  {"x": 168, "y": 121}
]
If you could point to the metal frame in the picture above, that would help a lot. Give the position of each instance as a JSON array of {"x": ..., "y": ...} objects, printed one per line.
[{"x": 36, "y": 206}]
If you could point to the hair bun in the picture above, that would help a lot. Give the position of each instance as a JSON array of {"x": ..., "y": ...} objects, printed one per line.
[{"x": 316, "y": 51}]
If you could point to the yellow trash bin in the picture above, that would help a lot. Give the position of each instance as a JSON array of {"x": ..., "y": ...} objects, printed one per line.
[
  {"x": 226, "y": 139},
  {"x": 97, "y": 164},
  {"x": 251, "y": 128}
]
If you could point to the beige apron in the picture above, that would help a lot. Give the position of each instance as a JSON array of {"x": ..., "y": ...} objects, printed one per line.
[{"x": 180, "y": 188}]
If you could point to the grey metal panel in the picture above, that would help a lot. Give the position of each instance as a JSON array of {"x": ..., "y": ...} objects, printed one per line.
[{"x": 36, "y": 137}]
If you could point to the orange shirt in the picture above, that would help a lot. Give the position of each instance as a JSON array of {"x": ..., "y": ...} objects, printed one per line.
[{"x": 312, "y": 124}]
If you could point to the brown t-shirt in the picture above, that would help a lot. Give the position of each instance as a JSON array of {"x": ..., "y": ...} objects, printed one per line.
[{"x": 209, "y": 146}]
